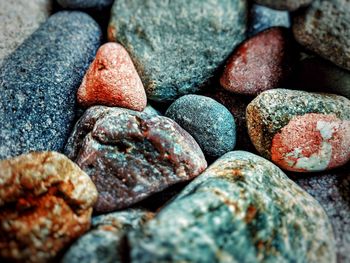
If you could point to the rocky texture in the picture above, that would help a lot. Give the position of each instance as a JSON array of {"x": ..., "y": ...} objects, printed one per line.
[
  {"x": 324, "y": 29},
  {"x": 38, "y": 83},
  {"x": 19, "y": 20},
  {"x": 85, "y": 4},
  {"x": 241, "y": 209},
  {"x": 177, "y": 46},
  {"x": 301, "y": 131},
  {"x": 290, "y": 5},
  {"x": 112, "y": 80},
  {"x": 261, "y": 18},
  {"x": 106, "y": 242},
  {"x": 260, "y": 63},
  {"x": 131, "y": 155},
  {"x": 208, "y": 121},
  {"x": 151, "y": 111},
  {"x": 45, "y": 203}
]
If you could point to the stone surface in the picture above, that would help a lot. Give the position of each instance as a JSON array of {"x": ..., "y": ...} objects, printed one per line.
[
  {"x": 290, "y": 5},
  {"x": 324, "y": 28},
  {"x": 301, "y": 131},
  {"x": 131, "y": 155},
  {"x": 45, "y": 203},
  {"x": 19, "y": 20},
  {"x": 106, "y": 242},
  {"x": 112, "y": 80},
  {"x": 85, "y": 4},
  {"x": 241, "y": 209},
  {"x": 38, "y": 83},
  {"x": 260, "y": 63},
  {"x": 261, "y": 18},
  {"x": 177, "y": 46},
  {"x": 208, "y": 121}
]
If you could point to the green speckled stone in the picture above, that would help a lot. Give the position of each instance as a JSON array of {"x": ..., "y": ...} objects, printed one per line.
[{"x": 241, "y": 209}]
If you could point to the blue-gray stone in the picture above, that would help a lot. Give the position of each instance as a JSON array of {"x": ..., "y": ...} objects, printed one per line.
[
  {"x": 38, "y": 83},
  {"x": 85, "y": 4}
]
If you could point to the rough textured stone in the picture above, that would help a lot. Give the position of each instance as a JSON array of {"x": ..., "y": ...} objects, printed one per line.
[
  {"x": 45, "y": 203},
  {"x": 301, "y": 131},
  {"x": 241, "y": 209},
  {"x": 106, "y": 242},
  {"x": 38, "y": 83},
  {"x": 324, "y": 28},
  {"x": 208, "y": 121},
  {"x": 260, "y": 63},
  {"x": 177, "y": 46},
  {"x": 290, "y": 5},
  {"x": 19, "y": 20},
  {"x": 112, "y": 80},
  {"x": 85, "y": 4},
  {"x": 131, "y": 155}
]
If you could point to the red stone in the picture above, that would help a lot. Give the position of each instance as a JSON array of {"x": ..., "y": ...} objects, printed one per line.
[{"x": 112, "y": 80}]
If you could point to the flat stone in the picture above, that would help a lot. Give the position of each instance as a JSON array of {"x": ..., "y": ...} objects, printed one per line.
[
  {"x": 45, "y": 203},
  {"x": 208, "y": 121},
  {"x": 85, "y": 4},
  {"x": 290, "y": 5},
  {"x": 112, "y": 80},
  {"x": 130, "y": 155},
  {"x": 241, "y": 209},
  {"x": 324, "y": 29},
  {"x": 38, "y": 83},
  {"x": 177, "y": 46},
  {"x": 301, "y": 131}
]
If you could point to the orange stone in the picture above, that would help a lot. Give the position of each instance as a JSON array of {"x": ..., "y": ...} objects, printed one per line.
[{"x": 112, "y": 80}]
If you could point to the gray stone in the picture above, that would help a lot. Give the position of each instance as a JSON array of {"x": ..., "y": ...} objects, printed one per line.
[
  {"x": 85, "y": 4},
  {"x": 177, "y": 46},
  {"x": 38, "y": 83},
  {"x": 241, "y": 209},
  {"x": 290, "y": 5}
]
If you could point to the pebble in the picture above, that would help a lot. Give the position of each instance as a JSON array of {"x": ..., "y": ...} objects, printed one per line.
[
  {"x": 177, "y": 46},
  {"x": 290, "y": 5},
  {"x": 241, "y": 209},
  {"x": 38, "y": 83},
  {"x": 301, "y": 131},
  {"x": 112, "y": 80},
  {"x": 208, "y": 121},
  {"x": 130, "y": 155},
  {"x": 45, "y": 203},
  {"x": 85, "y": 4},
  {"x": 262, "y": 62},
  {"x": 324, "y": 29}
]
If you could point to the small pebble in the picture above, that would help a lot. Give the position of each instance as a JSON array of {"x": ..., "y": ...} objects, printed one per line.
[{"x": 85, "y": 4}]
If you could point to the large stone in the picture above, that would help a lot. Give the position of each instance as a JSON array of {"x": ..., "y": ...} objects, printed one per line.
[
  {"x": 38, "y": 83},
  {"x": 290, "y": 5},
  {"x": 241, "y": 209},
  {"x": 45, "y": 203},
  {"x": 177, "y": 46},
  {"x": 131, "y": 155}
]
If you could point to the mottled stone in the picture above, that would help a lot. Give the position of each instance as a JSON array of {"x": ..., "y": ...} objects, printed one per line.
[
  {"x": 151, "y": 111},
  {"x": 301, "y": 131},
  {"x": 45, "y": 203},
  {"x": 38, "y": 83},
  {"x": 131, "y": 155},
  {"x": 208, "y": 121},
  {"x": 241, "y": 209},
  {"x": 262, "y": 62},
  {"x": 85, "y": 4},
  {"x": 112, "y": 80},
  {"x": 324, "y": 28},
  {"x": 177, "y": 46},
  {"x": 290, "y": 5},
  {"x": 106, "y": 241}
]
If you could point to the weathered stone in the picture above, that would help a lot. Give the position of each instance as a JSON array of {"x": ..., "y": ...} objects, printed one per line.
[
  {"x": 45, "y": 203},
  {"x": 290, "y": 5},
  {"x": 301, "y": 131},
  {"x": 177, "y": 46},
  {"x": 38, "y": 83},
  {"x": 85, "y": 4},
  {"x": 241, "y": 209},
  {"x": 324, "y": 29},
  {"x": 131, "y": 155}
]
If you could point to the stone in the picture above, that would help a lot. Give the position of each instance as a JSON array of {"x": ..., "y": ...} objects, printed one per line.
[
  {"x": 151, "y": 110},
  {"x": 38, "y": 83},
  {"x": 106, "y": 241},
  {"x": 241, "y": 209},
  {"x": 19, "y": 20},
  {"x": 177, "y": 46},
  {"x": 262, "y": 18},
  {"x": 112, "y": 80},
  {"x": 324, "y": 29},
  {"x": 301, "y": 131},
  {"x": 208, "y": 121},
  {"x": 85, "y": 4},
  {"x": 262, "y": 62},
  {"x": 130, "y": 155},
  {"x": 45, "y": 203},
  {"x": 290, "y": 5}
]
